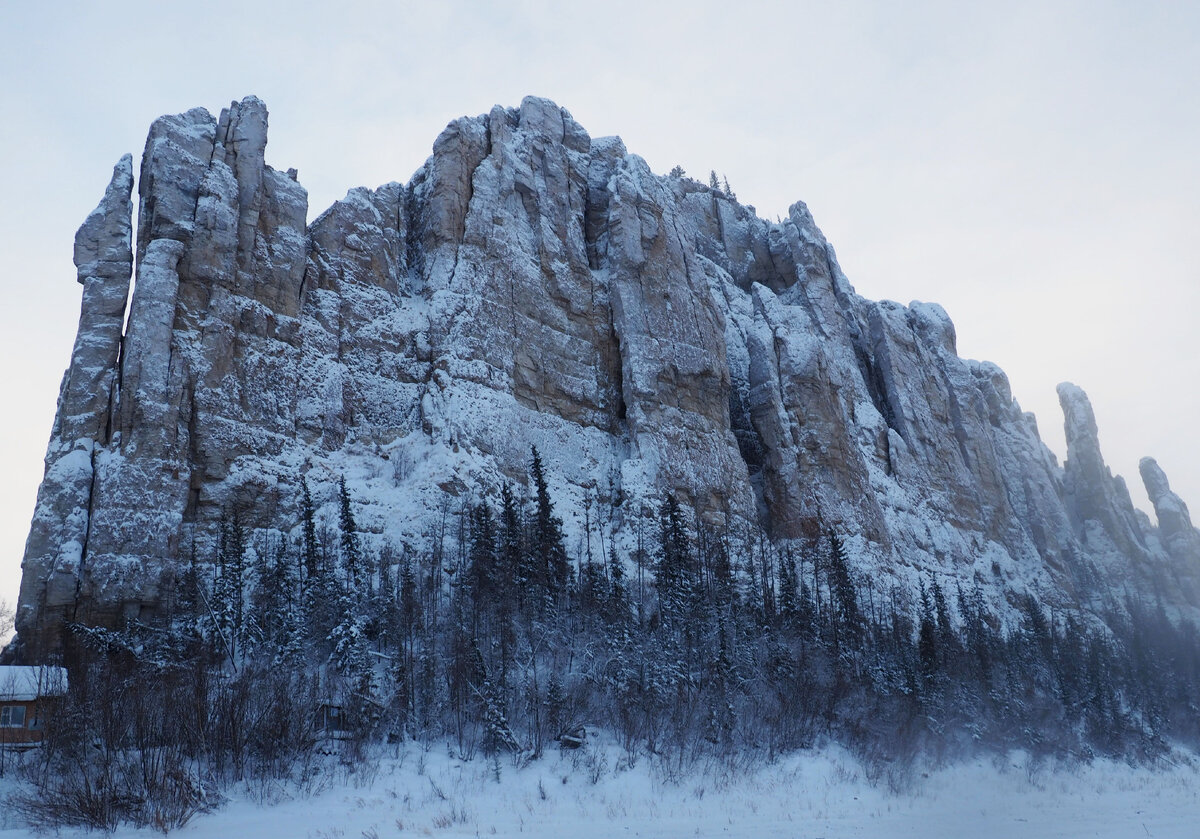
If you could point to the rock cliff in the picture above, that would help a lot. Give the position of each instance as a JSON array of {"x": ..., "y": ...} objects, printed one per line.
[{"x": 531, "y": 285}]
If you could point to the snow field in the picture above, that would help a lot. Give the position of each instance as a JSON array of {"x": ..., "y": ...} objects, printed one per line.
[{"x": 596, "y": 794}]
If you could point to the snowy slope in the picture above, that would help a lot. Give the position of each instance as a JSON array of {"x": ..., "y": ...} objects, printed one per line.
[{"x": 823, "y": 794}]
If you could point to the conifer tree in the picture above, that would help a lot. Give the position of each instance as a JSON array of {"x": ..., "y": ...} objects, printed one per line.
[
  {"x": 976, "y": 633},
  {"x": 717, "y": 572},
  {"x": 187, "y": 617},
  {"x": 351, "y": 648},
  {"x": 497, "y": 733},
  {"x": 235, "y": 572},
  {"x": 482, "y": 568},
  {"x": 845, "y": 599},
  {"x": 275, "y": 606},
  {"x": 246, "y": 629},
  {"x": 547, "y": 541},
  {"x": 515, "y": 572},
  {"x": 618, "y": 597},
  {"x": 226, "y": 608},
  {"x": 947, "y": 640},
  {"x": 308, "y": 532},
  {"x": 673, "y": 575},
  {"x": 511, "y": 537},
  {"x": 927, "y": 646},
  {"x": 787, "y": 587},
  {"x": 351, "y": 557},
  {"x": 556, "y": 699}
]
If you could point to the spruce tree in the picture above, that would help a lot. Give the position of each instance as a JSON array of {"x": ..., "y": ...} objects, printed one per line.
[
  {"x": 618, "y": 597},
  {"x": 276, "y": 606},
  {"x": 350, "y": 643},
  {"x": 351, "y": 557},
  {"x": 482, "y": 569},
  {"x": 673, "y": 574},
  {"x": 947, "y": 640},
  {"x": 845, "y": 598},
  {"x": 187, "y": 617},
  {"x": 787, "y": 587},
  {"x": 547, "y": 543},
  {"x": 308, "y": 532},
  {"x": 977, "y": 636},
  {"x": 226, "y": 607},
  {"x": 515, "y": 573},
  {"x": 927, "y": 644}
]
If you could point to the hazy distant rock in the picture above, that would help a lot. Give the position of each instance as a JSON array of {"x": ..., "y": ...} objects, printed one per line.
[
  {"x": 1175, "y": 528},
  {"x": 1099, "y": 502}
]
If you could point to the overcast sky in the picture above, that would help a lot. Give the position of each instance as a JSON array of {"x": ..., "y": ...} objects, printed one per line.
[{"x": 1033, "y": 167}]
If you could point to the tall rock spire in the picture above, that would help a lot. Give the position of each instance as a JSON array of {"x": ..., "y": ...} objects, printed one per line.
[
  {"x": 1099, "y": 503},
  {"x": 61, "y": 527},
  {"x": 104, "y": 262},
  {"x": 1175, "y": 528}
]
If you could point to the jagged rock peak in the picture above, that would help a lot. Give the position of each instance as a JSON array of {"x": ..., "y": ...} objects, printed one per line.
[
  {"x": 1154, "y": 478},
  {"x": 1079, "y": 421},
  {"x": 102, "y": 244},
  {"x": 104, "y": 265},
  {"x": 1174, "y": 521},
  {"x": 1093, "y": 493}
]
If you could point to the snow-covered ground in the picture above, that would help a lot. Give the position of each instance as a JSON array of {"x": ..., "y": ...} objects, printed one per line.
[{"x": 594, "y": 794}]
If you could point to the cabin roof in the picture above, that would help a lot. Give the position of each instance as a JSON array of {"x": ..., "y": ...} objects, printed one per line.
[{"x": 25, "y": 684}]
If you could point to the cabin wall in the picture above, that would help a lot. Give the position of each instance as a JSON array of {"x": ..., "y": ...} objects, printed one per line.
[{"x": 25, "y": 734}]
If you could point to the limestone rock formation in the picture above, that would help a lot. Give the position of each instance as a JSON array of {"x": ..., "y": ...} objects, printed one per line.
[
  {"x": 531, "y": 285},
  {"x": 1175, "y": 530},
  {"x": 61, "y": 528},
  {"x": 1174, "y": 521}
]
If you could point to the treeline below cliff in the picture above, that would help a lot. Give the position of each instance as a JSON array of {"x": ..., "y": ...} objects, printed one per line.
[{"x": 695, "y": 645}]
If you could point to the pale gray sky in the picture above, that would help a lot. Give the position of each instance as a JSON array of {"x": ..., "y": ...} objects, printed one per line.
[{"x": 1032, "y": 167}]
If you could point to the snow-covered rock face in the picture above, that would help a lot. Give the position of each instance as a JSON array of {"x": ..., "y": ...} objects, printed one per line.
[{"x": 531, "y": 285}]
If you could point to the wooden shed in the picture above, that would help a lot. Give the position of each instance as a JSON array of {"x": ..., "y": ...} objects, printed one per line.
[{"x": 27, "y": 696}]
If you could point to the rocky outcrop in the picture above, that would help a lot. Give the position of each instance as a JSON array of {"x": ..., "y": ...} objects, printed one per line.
[
  {"x": 1099, "y": 502},
  {"x": 104, "y": 262},
  {"x": 221, "y": 252},
  {"x": 59, "y": 543},
  {"x": 1175, "y": 531},
  {"x": 1174, "y": 521},
  {"x": 531, "y": 285}
]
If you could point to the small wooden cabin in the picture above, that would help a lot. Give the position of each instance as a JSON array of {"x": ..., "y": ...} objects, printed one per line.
[
  {"x": 27, "y": 697},
  {"x": 332, "y": 721}
]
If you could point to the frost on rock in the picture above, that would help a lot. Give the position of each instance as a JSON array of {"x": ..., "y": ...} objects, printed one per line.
[
  {"x": 1175, "y": 530},
  {"x": 533, "y": 286}
]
